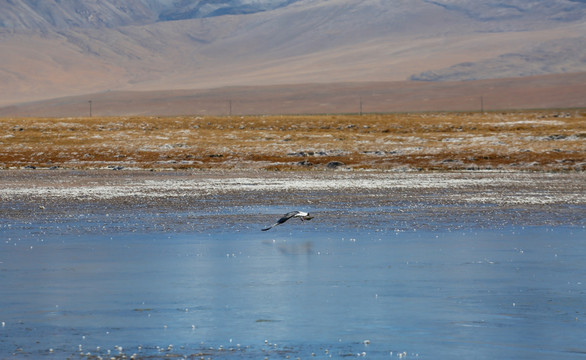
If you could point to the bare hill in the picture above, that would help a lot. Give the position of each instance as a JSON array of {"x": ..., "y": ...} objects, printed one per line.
[{"x": 62, "y": 48}]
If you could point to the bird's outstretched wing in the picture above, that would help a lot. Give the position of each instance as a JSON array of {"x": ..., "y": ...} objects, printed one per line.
[{"x": 285, "y": 217}]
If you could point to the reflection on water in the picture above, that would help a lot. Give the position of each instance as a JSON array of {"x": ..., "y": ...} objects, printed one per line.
[{"x": 297, "y": 292}]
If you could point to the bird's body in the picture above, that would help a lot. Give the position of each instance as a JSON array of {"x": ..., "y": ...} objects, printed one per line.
[{"x": 293, "y": 214}]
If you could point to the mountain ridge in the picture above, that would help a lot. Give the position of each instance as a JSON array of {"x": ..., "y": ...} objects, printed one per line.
[{"x": 65, "y": 14}]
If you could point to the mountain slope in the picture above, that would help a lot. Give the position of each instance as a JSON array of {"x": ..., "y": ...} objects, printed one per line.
[
  {"x": 49, "y": 15},
  {"x": 62, "y": 14},
  {"x": 549, "y": 57},
  {"x": 58, "y": 48},
  {"x": 189, "y": 9}
]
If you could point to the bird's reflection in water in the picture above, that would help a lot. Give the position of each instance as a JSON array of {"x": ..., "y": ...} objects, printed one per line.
[
  {"x": 296, "y": 249},
  {"x": 302, "y": 248}
]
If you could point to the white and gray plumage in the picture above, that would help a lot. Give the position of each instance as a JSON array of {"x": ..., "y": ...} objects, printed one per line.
[{"x": 293, "y": 214}]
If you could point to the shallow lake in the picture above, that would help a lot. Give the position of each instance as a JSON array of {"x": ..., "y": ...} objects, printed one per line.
[{"x": 300, "y": 290}]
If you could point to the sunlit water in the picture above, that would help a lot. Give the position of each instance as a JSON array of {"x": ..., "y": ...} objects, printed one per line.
[{"x": 297, "y": 291}]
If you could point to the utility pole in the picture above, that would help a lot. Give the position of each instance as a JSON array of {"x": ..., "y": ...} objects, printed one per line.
[
  {"x": 90, "y": 108},
  {"x": 360, "y": 106},
  {"x": 482, "y": 104},
  {"x": 230, "y": 104}
]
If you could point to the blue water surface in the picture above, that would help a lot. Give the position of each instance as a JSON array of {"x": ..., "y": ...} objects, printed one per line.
[{"x": 297, "y": 291}]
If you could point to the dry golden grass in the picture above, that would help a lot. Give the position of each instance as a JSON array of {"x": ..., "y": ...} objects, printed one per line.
[{"x": 530, "y": 140}]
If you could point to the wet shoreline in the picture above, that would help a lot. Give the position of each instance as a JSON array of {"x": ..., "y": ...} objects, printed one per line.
[{"x": 203, "y": 200}]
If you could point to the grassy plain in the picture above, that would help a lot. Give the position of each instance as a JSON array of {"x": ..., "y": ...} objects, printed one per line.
[{"x": 547, "y": 140}]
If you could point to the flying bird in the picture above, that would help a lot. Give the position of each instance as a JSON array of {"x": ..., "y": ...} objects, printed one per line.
[{"x": 293, "y": 214}]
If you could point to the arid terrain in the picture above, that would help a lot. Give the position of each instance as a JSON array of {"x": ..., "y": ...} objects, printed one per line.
[{"x": 546, "y": 140}]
